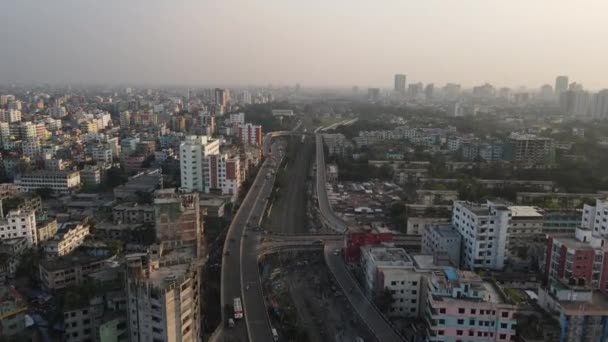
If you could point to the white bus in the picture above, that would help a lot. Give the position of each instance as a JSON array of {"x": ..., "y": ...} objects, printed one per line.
[
  {"x": 275, "y": 336},
  {"x": 238, "y": 308}
]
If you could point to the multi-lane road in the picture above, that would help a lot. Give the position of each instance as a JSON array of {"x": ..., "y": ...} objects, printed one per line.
[
  {"x": 328, "y": 215},
  {"x": 240, "y": 277}
]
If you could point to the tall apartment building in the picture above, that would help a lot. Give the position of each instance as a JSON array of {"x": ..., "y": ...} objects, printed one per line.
[
  {"x": 576, "y": 284},
  {"x": 163, "y": 300},
  {"x": 576, "y": 103},
  {"x": 484, "y": 232},
  {"x": 59, "y": 181},
  {"x": 600, "y": 105},
  {"x": 193, "y": 164},
  {"x": 221, "y": 96},
  {"x": 561, "y": 84},
  {"x": 237, "y": 119},
  {"x": 529, "y": 149},
  {"x": 178, "y": 220},
  {"x": 125, "y": 119},
  {"x": 595, "y": 218},
  {"x": 19, "y": 223},
  {"x": 525, "y": 229},
  {"x": 460, "y": 306},
  {"x": 224, "y": 174},
  {"x": 389, "y": 268},
  {"x": 100, "y": 318},
  {"x": 400, "y": 83},
  {"x": 10, "y": 115},
  {"x": 249, "y": 134}
]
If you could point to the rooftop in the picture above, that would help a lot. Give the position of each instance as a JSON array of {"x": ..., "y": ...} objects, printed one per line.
[
  {"x": 519, "y": 211},
  {"x": 389, "y": 255},
  {"x": 166, "y": 275}
]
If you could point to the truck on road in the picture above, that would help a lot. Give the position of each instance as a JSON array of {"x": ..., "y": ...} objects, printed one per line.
[
  {"x": 238, "y": 308},
  {"x": 275, "y": 335}
]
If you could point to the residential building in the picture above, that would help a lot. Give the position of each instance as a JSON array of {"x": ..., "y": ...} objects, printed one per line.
[
  {"x": 11, "y": 251},
  {"x": 595, "y": 218},
  {"x": 460, "y": 306},
  {"x": 131, "y": 213},
  {"x": 576, "y": 278},
  {"x": 400, "y": 83},
  {"x": 392, "y": 269},
  {"x": 250, "y": 134},
  {"x": 525, "y": 229},
  {"x": 125, "y": 119},
  {"x": 46, "y": 229},
  {"x": 178, "y": 219},
  {"x": 84, "y": 319},
  {"x": 484, "y": 231},
  {"x": 224, "y": 175},
  {"x": 69, "y": 236},
  {"x": 163, "y": 300},
  {"x": 529, "y": 149},
  {"x": 19, "y": 223},
  {"x": 576, "y": 104},
  {"x": 561, "y": 220},
  {"x": 143, "y": 182},
  {"x": 193, "y": 161},
  {"x": 442, "y": 241},
  {"x": 337, "y": 144},
  {"x": 62, "y": 182},
  {"x": 70, "y": 270},
  {"x": 561, "y": 84},
  {"x": 237, "y": 119},
  {"x": 91, "y": 175}
]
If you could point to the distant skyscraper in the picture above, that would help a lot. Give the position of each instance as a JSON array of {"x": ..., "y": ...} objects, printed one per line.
[
  {"x": 221, "y": 96},
  {"x": 576, "y": 103},
  {"x": 546, "y": 92},
  {"x": 373, "y": 94},
  {"x": 561, "y": 84},
  {"x": 428, "y": 91},
  {"x": 400, "y": 83},
  {"x": 600, "y": 105}
]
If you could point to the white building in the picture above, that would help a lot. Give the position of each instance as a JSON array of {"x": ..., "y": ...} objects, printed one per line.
[
  {"x": 19, "y": 223},
  {"x": 125, "y": 119},
  {"x": 595, "y": 218},
  {"x": 58, "y": 181},
  {"x": 101, "y": 153},
  {"x": 484, "y": 231},
  {"x": 390, "y": 268},
  {"x": 237, "y": 119},
  {"x": 193, "y": 167},
  {"x": 67, "y": 238},
  {"x": 57, "y": 112},
  {"x": 10, "y": 115}
]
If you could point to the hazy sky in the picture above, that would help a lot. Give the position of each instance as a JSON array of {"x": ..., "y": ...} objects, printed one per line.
[{"x": 314, "y": 42}]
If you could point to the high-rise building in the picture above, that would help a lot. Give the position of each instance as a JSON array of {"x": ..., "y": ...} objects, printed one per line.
[
  {"x": 546, "y": 92},
  {"x": 125, "y": 119},
  {"x": 400, "y": 84},
  {"x": 163, "y": 299},
  {"x": 576, "y": 278},
  {"x": 561, "y": 84},
  {"x": 373, "y": 94},
  {"x": 451, "y": 91},
  {"x": 484, "y": 231},
  {"x": 429, "y": 91},
  {"x": 193, "y": 166},
  {"x": 575, "y": 103},
  {"x": 221, "y": 96},
  {"x": 249, "y": 134},
  {"x": 600, "y": 105},
  {"x": 224, "y": 174}
]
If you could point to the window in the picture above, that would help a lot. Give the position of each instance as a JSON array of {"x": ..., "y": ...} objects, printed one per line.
[
  {"x": 459, "y": 332},
  {"x": 461, "y": 310},
  {"x": 442, "y": 310},
  {"x": 505, "y": 314},
  {"x": 473, "y": 311},
  {"x": 461, "y": 321},
  {"x": 503, "y": 325}
]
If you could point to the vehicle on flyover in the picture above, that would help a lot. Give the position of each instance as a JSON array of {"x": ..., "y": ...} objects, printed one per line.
[{"x": 238, "y": 308}]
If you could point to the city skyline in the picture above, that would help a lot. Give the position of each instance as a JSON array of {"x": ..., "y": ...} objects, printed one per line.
[{"x": 471, "y": 43}]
